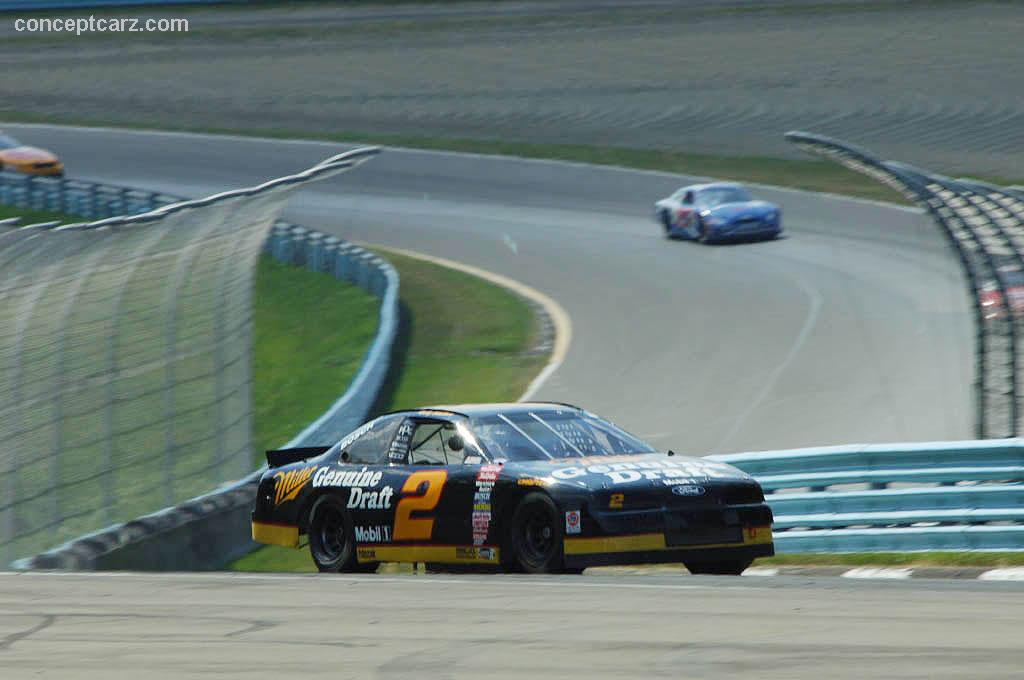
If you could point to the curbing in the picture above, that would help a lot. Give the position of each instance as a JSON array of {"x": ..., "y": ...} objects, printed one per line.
[{"x": 208, "y": 531}]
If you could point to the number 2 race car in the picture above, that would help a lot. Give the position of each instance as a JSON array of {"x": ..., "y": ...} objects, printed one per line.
[
  {"x": 531, "y": 487},
  {"x": 717, "y": 212}
]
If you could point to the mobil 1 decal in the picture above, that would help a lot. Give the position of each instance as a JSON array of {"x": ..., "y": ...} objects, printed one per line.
[{"x": 485, "y": 480}]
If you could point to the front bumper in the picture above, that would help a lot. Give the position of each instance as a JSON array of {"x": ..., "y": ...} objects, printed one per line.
[
  {"x": 55, "y": 170},
  {"x": 671, "y": 534},
  {"x": 654, "y": 549}
]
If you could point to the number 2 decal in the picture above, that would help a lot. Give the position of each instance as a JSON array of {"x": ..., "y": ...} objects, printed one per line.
[{"x": 407, "y": 527}]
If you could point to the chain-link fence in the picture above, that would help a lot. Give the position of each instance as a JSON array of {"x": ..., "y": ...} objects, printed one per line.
[
  {"x": 125, "y": 367},
  {"x": 985, "y": 226}
]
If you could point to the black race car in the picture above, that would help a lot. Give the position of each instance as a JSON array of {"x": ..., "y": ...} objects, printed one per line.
[{"x": 533, "y": 487}]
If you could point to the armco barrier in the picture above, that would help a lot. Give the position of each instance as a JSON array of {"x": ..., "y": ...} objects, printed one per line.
[
  {"x": 893, "y": 497},
  {"x": 213, "y": 529},
  {"x": 984, "y": 226}
]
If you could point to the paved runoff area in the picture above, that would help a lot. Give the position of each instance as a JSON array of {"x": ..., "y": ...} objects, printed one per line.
[
  {"x": 937, "y": 84},
  {"x": 107, "y": 625}
]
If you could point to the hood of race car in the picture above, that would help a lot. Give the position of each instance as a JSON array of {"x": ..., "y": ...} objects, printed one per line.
[
  {"x": 741, "y": 211},
  {"x": 632, "y": 472},
  {"x": 27, "y": 154}
]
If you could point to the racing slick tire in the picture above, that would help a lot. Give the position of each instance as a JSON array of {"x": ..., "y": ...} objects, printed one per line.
[
  {"x": 535, "y": 538},
  {"x": 719, "y": 568},
  {"x": 665, "y": 222},
  {"x": 332, "y": 540}
]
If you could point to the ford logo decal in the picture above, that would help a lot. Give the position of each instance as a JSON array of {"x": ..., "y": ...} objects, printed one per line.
[{"x": 688, "y": 490}]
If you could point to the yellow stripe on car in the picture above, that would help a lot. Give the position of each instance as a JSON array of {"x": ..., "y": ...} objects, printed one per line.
[
  {"x": 649, "y": 542},
  {"x": 275, "y": 534},
  {"x": 428, "y": 553}
]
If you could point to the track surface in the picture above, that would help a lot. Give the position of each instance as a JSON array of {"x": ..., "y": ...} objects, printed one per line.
[
  {"x": 231, "y": 626},
  {"x": 855, "y": 328}
]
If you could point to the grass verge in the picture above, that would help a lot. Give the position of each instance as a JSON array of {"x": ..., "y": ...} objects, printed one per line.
[
  {"x": 809, "y": 175},
  {"x": 890, "y": 559},
  {"x": 33, "y": 216},
  {"x": 309, "y": 336},
  {"x": 461, "y": 339}
]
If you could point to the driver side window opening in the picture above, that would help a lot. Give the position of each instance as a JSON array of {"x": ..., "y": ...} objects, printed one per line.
[{"x": 436, "y": 443}]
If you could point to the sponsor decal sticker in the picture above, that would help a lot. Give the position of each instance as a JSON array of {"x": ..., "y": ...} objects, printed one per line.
[
  {"x": 688, "y": 490},
  {"x": 572, "y": 522},
  {"x": 364, "y": 499},
  {"x": 474, "y": 553},
  {"x": 328, "y": 476},
  {"x": 373, "y": 534},
  {"x": 616, "y": 501},
  {"x": 485, "y": 479},
  {"x": 655, "y": 469},
  {"x": 400, "y": 445},
  {"x": 366, "y": 554},
  {"x": 531, "y": 481},
  {"x": 287, "y": 485}
]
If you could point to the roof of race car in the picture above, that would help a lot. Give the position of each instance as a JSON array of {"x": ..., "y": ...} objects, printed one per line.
[
  {"x": 713, "y": 185},
  {"x": 470, "y": 410}
]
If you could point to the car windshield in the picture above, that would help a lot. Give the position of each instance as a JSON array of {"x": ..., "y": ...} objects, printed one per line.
[
  {"x": 7, "y": 142},
  {"x": 709, "y": 198},
  {"x": 544, "y": 434}
]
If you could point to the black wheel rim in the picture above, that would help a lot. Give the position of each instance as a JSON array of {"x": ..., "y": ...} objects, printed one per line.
[
  {"x": 330, "y": 533},
  {"x": 537, "y": 537}
]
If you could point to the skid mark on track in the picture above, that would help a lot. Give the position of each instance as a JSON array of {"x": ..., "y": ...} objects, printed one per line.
[{"x": 46, "y": 620}]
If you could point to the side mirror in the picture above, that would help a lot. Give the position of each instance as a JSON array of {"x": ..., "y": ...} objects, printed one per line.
[{"x": 455, "y": 443}]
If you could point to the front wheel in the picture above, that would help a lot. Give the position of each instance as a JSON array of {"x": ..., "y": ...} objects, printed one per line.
[
  {"x": 703, "y": 235},
  {"x": 666, "y": 222},
  {"x": 332, "y": 539},
  {"x": 720, "y": 567},
  {"x": 536, "y": 536}
]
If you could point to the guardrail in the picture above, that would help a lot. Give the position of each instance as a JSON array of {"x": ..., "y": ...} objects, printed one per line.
[
  {"x": 210, "y": 530},
  {"x": 893, "y": 497},
  {"x": 984, "y": 225}
]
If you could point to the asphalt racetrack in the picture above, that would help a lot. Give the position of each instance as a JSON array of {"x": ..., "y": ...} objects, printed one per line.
[
  {"x": 107, "y": 625},
  {"x": 853, "y": 328}
]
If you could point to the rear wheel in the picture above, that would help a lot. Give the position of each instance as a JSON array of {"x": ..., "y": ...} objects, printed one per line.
[
  {"x": 332, "y": 539},
  {"x": 535, "y": 542},
  {"x": 719, "y": 567}
]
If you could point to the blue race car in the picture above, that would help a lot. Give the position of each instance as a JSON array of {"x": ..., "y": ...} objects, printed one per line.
[{"x": 717, "y": 212}]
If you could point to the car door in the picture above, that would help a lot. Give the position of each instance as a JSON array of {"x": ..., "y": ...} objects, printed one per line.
[{"x": 439, "y": 500}]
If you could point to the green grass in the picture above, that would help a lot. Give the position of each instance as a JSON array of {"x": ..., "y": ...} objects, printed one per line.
[
  {"x": 310, "y": 333},
  {"x": 461, "y": 339},
  {"x": 895, "y": 559},
  {"x": 33, "y": 216}
]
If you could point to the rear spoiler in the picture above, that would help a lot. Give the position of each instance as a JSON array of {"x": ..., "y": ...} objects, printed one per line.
[{"x": 282, "y": 457}]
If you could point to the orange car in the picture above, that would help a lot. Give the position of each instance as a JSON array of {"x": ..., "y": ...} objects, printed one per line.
[{"x": 16, "y": 157}]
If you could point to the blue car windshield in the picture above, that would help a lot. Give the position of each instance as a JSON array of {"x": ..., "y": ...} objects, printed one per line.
[
  {"x": 709, "y": 198},
  {"x": 544, "y": 435}
]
